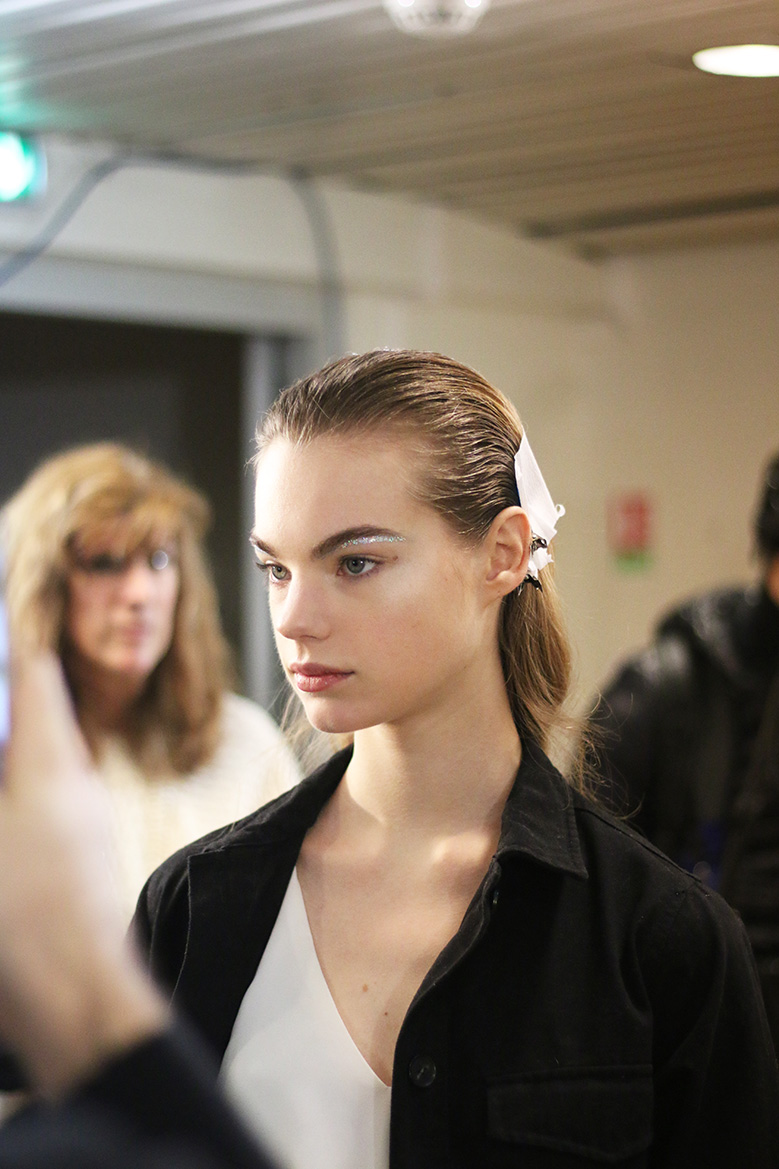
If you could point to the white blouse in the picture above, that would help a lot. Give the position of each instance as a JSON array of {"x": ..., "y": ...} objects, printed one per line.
[
  {"x": 152, "y": 818},
  {"x": 291, "y": 1066}
]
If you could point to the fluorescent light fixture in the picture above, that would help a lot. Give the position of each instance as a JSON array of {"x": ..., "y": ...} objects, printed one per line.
[
  {"x": 739, "y": 60},
  {"x": 22, "y": 167},
  {"x": 436, "y": 18}
]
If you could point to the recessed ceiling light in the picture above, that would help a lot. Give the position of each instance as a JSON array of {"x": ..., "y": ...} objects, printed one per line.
[
  {"x": 739, "y": 60},
  {"x": 436, "y": 18}
]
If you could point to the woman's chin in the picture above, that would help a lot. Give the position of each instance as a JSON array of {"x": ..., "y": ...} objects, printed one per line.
[
  {"x": 330, "y": 726},
  {"x": 334, "y": 722}
]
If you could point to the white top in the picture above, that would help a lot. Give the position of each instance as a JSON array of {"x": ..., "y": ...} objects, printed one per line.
[
  {"x": 153, "y": 818},
  {"x": 292, "y": 1068}
]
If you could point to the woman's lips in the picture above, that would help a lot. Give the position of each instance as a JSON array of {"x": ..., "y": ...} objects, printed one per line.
[
  {"x": 312, "y": 679},
  {"x": 135, "y": 633}
]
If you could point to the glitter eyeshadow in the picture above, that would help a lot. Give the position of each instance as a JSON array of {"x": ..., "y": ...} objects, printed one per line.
[{"x": 374, "y": 540}]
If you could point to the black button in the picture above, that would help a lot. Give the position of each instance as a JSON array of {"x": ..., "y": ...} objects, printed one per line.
[{"x": 422, "y": 1071}]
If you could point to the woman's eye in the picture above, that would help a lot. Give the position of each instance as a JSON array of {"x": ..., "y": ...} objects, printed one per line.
[
  {"x": 103, "y": 564},
  {"x": 274, "y": 572},
  {"x": 357, "y": 565}
]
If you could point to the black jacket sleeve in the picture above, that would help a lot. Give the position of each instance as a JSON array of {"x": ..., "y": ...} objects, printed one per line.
[
  {"x": 158, "y": 1106},
  {"x": 716, "y": 1078}
]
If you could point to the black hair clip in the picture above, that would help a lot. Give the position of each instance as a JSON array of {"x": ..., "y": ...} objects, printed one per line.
[{"x": 535, "y": 543}]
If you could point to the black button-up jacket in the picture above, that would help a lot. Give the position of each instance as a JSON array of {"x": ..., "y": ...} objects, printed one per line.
[{"x": 597, "y": 1006}]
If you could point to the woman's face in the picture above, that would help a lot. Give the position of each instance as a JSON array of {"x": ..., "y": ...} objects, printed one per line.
[
  {"x": 120, "y": 608},
  {"x": 375, "y": 602}
]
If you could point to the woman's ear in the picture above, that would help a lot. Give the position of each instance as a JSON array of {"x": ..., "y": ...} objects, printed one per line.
[{"x": 507, "y": 545}]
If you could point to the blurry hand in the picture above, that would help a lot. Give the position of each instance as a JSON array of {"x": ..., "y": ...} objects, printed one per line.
[{"x": 72, "y": 994}]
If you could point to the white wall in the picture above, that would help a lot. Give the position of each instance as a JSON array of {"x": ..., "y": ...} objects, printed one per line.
[
  {"x": 651, "y": 372},
  {"x": 692, "y": 417}
]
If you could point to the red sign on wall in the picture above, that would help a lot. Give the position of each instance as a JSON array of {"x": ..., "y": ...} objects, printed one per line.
[{"x": 630, "y": 528}]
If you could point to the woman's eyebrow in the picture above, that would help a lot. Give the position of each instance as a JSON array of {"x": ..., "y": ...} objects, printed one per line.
[
  {"x": 363, "y": 535},
  {"x": 257, "y": 543},
  {"x": 367, "y": 534}
]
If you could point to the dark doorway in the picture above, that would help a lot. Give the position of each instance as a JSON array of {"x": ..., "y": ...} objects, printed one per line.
[{"x": 172, "y": 393}]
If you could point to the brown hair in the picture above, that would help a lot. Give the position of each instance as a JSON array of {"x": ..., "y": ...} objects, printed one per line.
[
  {"x": 466, "y": 434},
  {"x": 69, "y": 500}
]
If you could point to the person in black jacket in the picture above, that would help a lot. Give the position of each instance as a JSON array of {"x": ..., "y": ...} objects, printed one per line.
[
  {"x": 690, "y": 742},
  {"x": 119, "y": 1084},
  {"x": 436, "y": 952}
]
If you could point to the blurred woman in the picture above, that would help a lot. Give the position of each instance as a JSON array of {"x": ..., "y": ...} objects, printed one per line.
[{"x": 105, "y": 565}]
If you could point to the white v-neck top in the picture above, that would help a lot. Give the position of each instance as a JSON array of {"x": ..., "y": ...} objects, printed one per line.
[{"x": 291, "y": 1066}]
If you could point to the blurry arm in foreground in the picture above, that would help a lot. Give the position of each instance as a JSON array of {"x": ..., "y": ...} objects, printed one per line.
[{"x": 122, "y": 1085}]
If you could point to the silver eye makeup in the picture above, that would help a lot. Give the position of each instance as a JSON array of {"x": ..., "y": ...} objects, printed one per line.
[
  {"x": 377, "y": 539},
  {"x": 353, "y": 565},
  {"x": 356, "y": 565}
]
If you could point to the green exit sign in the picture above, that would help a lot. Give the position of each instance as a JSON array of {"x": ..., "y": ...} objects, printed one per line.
[{"x": 22, "y": 167}]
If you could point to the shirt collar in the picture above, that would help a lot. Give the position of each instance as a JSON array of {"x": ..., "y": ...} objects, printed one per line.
[{"x": 538, "y": 820}]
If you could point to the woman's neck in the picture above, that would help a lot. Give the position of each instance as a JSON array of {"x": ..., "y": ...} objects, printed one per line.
[
  {"x": 104, "y": 700},
  {"x": 436, "y": 776}
]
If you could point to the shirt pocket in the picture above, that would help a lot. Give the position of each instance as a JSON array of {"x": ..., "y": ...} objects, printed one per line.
[{"x": 599, "y": 1114}]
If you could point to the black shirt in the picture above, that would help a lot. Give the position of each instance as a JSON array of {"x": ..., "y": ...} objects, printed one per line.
[{"x": 598, "y": 1005}]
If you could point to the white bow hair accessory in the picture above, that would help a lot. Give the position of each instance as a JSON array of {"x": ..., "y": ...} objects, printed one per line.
[{"x": 536, "y": 502}]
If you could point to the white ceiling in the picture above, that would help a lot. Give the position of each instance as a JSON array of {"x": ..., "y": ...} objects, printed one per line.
[{"x": 580, "y": 121}]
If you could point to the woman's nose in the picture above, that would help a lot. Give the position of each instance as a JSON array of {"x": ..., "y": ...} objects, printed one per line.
[
  {"x": 300, "y": 613},
  {"x": 137, "y": 581}
]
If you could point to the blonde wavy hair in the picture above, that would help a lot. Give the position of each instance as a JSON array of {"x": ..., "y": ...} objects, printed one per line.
[
  {"x": 465, "y": 434},
  {"x": 70, "y": 500}
]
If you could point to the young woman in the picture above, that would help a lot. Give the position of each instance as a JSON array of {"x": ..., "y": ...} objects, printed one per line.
[
  {"x": 105, "y": 565},
  {"x": 436, "y": 953}
]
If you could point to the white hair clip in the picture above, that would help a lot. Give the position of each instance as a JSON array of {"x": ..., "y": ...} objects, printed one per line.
[{"x": 536, "y": 502}]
